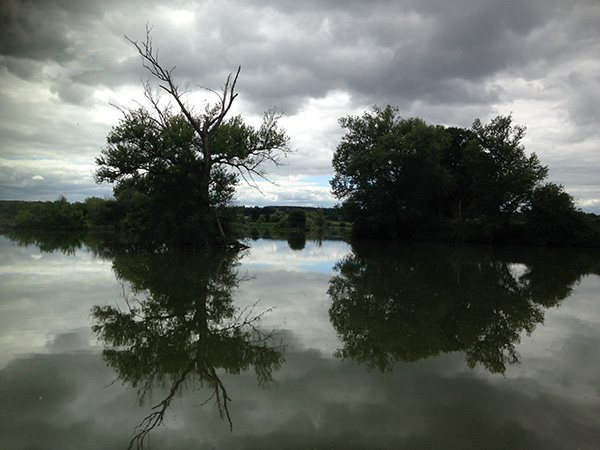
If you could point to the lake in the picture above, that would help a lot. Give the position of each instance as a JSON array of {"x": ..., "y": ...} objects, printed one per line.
[{"x": 298, "y": 344}]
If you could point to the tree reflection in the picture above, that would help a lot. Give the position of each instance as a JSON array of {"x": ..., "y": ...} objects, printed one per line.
[
  {"x": 47, "y": 241},
  {"x": 297, "y": 240},
  {"x": 184, "y": 331},
  {"x": 405, "y": 302}
]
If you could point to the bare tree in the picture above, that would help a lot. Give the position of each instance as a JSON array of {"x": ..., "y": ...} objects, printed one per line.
[
  {"x": 215, "y": 149},
  {"x": 275, "y": 142},
  {"x": 205, "y": 126}
]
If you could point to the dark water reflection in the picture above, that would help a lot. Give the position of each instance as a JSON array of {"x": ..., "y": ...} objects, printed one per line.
[
  {"x": 200, "y": 362},
  {"x": 405, "y": 302},
  {"x": 181, "y": 327},
  {"x": 48, "y": 242}
]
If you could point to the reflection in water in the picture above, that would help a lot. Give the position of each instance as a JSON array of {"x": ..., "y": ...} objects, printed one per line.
[
  {"x": 405, "y": 302},
  {"x": 53, "y": 380},
  {"x": 184, "y": 331},
  {"x": 297, "y": 240},
  {"x": 48, "y": 242}
]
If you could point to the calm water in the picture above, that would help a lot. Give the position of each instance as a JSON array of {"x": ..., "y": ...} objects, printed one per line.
[{"x": 298, "y": 345}]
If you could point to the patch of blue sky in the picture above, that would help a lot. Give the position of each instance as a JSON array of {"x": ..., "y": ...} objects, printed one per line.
[
  {"x": 36, "y": 158},
  {"x": 320, "y": 180}
]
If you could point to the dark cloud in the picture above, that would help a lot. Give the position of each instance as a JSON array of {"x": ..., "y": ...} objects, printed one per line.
[
  {"x": 47, "y": 30},
  {"x": 34, "y": 30}
]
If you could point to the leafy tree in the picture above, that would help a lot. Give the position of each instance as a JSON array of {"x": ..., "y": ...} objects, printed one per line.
[
  {"x": 297, "y": 219},
  {"x": 57, "y": 215},
  {"x": 404, "y": 178},
  {"x": 553, "y": 219},
  {"x": 388, "y": 171},
  {"x": 277, "y": 216},
  {"x": 461, "y": 145},
  {"x": 504, "y": 177},
  {"x": 177, "y": 168},
  {"x": 317, "y": 221},
  {"x": 102, "y": 212}
]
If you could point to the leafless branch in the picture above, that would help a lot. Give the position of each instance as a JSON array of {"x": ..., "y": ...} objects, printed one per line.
[
  {"x": 154, "y": 99},
  {"x": 156, "y": 418},
  {"x": 214, "y": 116}
]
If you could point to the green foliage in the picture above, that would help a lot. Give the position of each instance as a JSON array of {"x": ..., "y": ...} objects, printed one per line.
[
  {"x": 103, "y": 212},
  {"x": 389, "y": 172},
  {"x": 273, "y": 222},
  {"x": 57, "y": 215},
  {"x": 8, "y": 210},
  {"x": 402, "y": 178},
  {"x": 297, "y": 219},
  {"x": 552, "y": 219},
  {"x": 316, "y": 220},
  {"x": 504, "y": 177},
  {"x": 171, "y": 184}
]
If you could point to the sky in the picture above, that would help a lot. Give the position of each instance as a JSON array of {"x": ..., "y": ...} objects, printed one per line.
[{"x": 66, "y": 68}]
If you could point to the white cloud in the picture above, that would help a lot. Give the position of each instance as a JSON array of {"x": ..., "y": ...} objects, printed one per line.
[
  {"x": 285, "y": 191},
  {"x": 47, "y": 179}
]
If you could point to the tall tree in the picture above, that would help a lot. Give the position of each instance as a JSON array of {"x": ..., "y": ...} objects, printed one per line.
[
  {"x": 388, "y": 171},
  {"x": 176, "y": 166},
  {"x": 553, "y": 219},
  {"x": 404, "y": 178},
  {"x": 504, "y": 177}
]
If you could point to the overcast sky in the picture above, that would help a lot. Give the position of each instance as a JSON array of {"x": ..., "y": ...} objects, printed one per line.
[{"x": 64, "y": 62}]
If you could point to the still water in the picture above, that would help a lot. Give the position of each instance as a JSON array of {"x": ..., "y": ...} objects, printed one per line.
[{"x": 298, "y": 345}]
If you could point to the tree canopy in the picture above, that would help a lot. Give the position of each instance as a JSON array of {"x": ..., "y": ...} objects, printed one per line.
[
  {"x": 174, "y": 168},
  {"x": 380, "y": 167},
  {"x": 404, "y": 178}
]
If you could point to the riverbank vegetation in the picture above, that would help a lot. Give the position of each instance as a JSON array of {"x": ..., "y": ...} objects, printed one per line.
[
  {"x": 110, "y": 215},
  {"x": 59, "y": 215},
  {"x": 175, "y": 170}
]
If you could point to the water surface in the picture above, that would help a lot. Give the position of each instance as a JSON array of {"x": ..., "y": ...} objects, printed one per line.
[{"x": 319, "y": 345}]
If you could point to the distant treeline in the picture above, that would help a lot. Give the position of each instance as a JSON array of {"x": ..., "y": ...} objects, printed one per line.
[
  {"x": 105, "y": 213},
  {"x": 276, "y": 214},
  {"x": 56, "y": 215}
]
